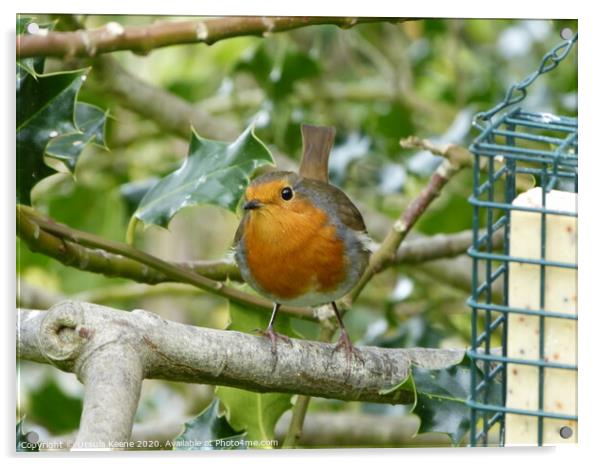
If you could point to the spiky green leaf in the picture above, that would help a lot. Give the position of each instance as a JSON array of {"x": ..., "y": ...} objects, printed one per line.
[
  {"x": 209, "y": 431},
  {"x": 213, "y": 173},
  {"x": 441, "y": 399}
]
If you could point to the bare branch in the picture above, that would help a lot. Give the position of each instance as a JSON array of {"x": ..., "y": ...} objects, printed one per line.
[
  {"x": 142, "y": 39},
  {"x": 458, "y": 156},
  {"x": 60, "y": 246},
  {"x": 88, "y": 339},
  {"x": 68, "y": 244},
  {"x": 169, "y": 111},
  {"x": 428, "y": 248}
]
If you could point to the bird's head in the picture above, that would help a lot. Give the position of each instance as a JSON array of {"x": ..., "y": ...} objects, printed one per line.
[{"x": 273, "y": 193}]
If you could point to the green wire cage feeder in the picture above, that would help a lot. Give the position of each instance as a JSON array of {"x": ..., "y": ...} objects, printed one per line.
[{"x": 524, "y": 285}]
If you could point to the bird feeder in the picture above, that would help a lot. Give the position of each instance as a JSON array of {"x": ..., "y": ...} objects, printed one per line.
[{"x": 524, "y": 277}]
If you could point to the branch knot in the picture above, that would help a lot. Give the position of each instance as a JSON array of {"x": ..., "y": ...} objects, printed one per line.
[{"x": 62, "y": 334}]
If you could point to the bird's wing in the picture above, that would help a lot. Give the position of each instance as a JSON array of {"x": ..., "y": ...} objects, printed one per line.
[
  {"x": 331, "y": 197},
  {"x": 239, "y": 231},
  {"x": 348, "y": 212}
]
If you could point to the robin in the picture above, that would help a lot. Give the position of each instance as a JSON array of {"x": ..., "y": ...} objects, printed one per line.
[{"x": 301, "y": 240}]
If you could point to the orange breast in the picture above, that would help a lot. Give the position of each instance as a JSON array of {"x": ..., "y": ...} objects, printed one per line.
[{"x": 291, "y": 253}]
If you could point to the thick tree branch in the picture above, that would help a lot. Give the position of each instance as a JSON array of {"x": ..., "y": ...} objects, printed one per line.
[
  {"x": 88, "y": 339},
  {"x": 142, "y": 39}
]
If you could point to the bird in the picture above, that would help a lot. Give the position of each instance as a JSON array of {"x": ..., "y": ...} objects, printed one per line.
[{"x": 301, "y": 241}]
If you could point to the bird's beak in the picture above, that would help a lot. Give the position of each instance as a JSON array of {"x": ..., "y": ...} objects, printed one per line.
[{"x": 252, "y": 204}]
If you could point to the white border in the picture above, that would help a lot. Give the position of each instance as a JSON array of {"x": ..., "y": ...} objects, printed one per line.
[{"x": 590, "y": 228}]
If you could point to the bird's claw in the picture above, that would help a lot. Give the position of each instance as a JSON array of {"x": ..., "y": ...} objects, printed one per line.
[
  {"x": 350, "y": 350},
  {"x": 274, "y": 337}
]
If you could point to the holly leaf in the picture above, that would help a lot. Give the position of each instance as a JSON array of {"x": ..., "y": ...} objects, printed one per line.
[
  {"x": 209, "y": 431},
  {"x": 90, "y": 122},
  {"x": 49, "y": 122},
  {"x": 213, "y": 173},
  {"x": 441, "y": 398},
  {"x": 52, "y": 408},
  {"x": 45, "y": 106},
  {"x": 256, "y": 413}
]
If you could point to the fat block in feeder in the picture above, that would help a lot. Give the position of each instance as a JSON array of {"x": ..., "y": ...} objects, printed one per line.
[{"x": 560, "y": 342}]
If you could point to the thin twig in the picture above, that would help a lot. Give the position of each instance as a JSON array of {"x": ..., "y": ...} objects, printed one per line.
[
  {"x": 295, "y": 429},
  {"x": 441, "y": 246}
]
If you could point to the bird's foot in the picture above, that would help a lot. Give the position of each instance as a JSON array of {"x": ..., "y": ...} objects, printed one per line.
[
  {"x": 274, "y": 337},
  {"x": 351, "y": 351}
]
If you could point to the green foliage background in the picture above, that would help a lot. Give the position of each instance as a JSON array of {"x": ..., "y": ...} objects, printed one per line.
[{"x": 376, "y": 83}]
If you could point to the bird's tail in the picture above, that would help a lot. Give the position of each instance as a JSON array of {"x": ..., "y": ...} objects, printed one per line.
[{"x": 317, "y": 144}]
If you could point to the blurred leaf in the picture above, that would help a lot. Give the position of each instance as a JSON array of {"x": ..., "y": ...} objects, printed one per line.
[
  {"x": 22, "y": 441},
  {"x": 247, "y": 320},
  {"x": 213, "y": 173},
  {"x": 416, "y": 331},
  {"x": 258, "y": 63},
  {"x": 54, "y": 409},
  {"x": 257, "y": 413},
  {"x": 277, "y": 73},
  {"x": 296, "y": 66},
  {"x": 352, "y": 148},
  {"x": 209, "y": 431},
  {"x": 387, "y": 123},
  {"x": 133, "y": 192},
  {"x": 22, "y": 22},
  {"x": 438, "y": 219},
  {"x": 31, "y": 65},
  {"x": 90, "y": 121}
]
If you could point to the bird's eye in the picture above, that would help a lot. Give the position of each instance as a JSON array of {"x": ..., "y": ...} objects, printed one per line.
[{"x": 287, "y": 194}]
